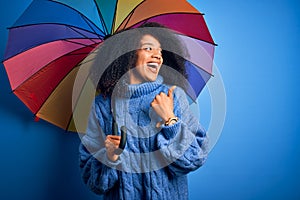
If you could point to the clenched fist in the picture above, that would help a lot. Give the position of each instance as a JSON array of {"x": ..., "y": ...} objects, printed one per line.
[{"x": 111, "y": 144}]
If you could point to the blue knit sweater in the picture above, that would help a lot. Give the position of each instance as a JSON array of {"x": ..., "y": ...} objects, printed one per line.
[{"x": 156, "y": 160}]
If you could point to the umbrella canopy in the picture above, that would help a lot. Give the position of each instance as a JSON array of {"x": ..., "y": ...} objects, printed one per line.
[{"x": 52, "y": 40}]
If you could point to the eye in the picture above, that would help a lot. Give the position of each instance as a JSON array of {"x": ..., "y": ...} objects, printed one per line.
[
  {"x": 151, "y": 49},
  {"x": 147, "y": 48}
]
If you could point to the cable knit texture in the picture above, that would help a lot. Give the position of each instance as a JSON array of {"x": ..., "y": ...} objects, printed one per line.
[{"x": 155, "y": 161}]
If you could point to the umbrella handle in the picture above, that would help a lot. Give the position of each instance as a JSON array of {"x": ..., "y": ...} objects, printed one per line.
[{"x": 123, "y": 138}]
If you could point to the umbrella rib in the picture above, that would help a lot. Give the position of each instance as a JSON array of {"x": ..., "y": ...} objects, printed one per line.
[
  {"x": 85, "y": 18},
  {"x": 129, "y": 15},
  {"x": 70, "y": 53},
  {"x": 201, "y": 68},
  {"x": 67, "y": 40},
  {"x": 101, "y": 17},
  {"x": 67, "y": 25},
  {"x": 91, "y": 39},
  {"x": 114, "y": 20},
  {"x": 79, "y": 43},
  {"x": 145, "y": 20},
  {"x": 196, "y": 65},
  {"x": 77, "y": 54},
  {"x": 57, "y": 84},
  {"x": 71, "y": 117},
  {"x": 76, "y": 66}
]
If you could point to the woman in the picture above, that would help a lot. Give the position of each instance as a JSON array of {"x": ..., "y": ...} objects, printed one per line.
[{"x": 164, "y": 140}]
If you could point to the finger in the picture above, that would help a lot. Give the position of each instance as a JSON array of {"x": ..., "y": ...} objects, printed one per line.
[
  {"x": 153, "y": 103},
  {"x": 113, "y": 137},
  {"x": 158, "y": 97},
  {"x": 108, "y": 145},
  {"x": 112, "y": 143},
  {"x": 170, "y": 92},
  {"x": 162, "y": 94},
  {"x": 156, "y": 100},
  {"x": 114, "y": 140}
]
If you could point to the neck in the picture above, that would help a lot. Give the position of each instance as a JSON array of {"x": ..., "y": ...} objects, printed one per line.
[
  {"x": 134, "y": 78},
  {"x": 129, "y": 89}
]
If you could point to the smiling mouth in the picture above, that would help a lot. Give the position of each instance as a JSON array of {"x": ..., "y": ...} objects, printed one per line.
[{"x": 153, "y": 66}]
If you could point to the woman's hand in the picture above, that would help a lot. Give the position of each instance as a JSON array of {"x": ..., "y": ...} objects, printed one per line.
[
  {"x": 163, "y": 104},
  {"x": 111, "y": 144}
]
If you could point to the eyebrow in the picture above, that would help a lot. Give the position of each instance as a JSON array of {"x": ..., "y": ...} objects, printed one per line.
[{"x": 147, "y": 43}]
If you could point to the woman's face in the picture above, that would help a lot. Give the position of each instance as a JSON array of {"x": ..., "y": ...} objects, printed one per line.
[{"x": 149, "y": 61}]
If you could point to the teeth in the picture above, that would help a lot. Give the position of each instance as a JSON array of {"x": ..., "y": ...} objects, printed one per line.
[{"x": 152, "y": 64}]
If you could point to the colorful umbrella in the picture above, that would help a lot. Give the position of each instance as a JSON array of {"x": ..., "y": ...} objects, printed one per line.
[{"x": 52, "y": 40}]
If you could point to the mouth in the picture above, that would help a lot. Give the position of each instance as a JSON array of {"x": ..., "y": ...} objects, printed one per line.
[{"x": 153, "y": 67}]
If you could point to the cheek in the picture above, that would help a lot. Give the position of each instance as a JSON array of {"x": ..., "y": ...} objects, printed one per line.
[
  {"x": 140, "y": 62},
  {"x": 142, "y": 58}
]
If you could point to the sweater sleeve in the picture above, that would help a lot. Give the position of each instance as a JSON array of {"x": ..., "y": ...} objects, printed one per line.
[
  {"x": 97, "y": 171},
  {"x": 183, "y": 144}
]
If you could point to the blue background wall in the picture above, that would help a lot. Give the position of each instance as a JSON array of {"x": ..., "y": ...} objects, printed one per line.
[{"x": 257, "y": 155}]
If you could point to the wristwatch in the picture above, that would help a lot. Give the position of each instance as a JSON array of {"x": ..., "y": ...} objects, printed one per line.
[{"x": 171, "y": 120}]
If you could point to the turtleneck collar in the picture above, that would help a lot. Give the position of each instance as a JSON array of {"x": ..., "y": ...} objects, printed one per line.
[{"x": 138, "y": 90}]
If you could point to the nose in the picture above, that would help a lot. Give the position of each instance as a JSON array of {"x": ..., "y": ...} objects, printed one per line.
[{"x": 157, "y": 54}]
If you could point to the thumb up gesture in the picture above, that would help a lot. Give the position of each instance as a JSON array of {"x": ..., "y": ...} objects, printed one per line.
[{"x": 162, "y": 104}]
